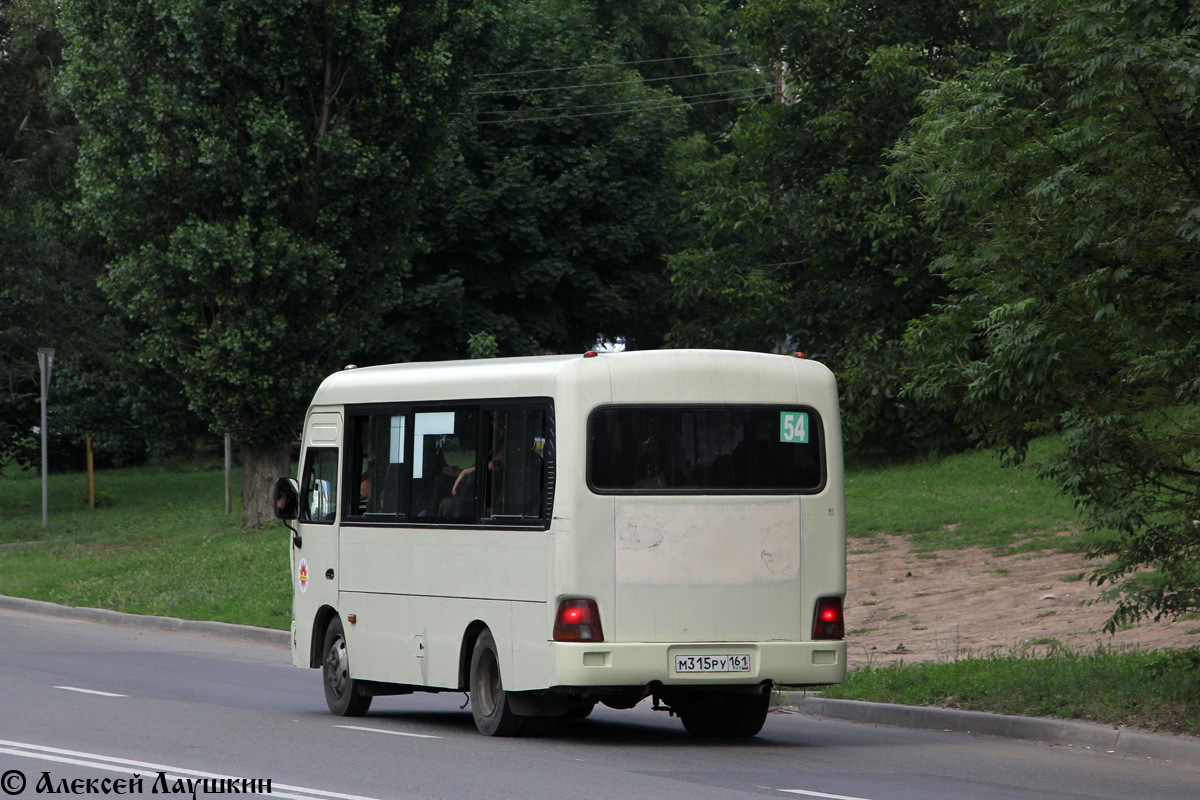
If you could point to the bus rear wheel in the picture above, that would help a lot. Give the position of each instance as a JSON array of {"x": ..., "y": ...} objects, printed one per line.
[
  {"x": 489, "y": 702},
  {"x": 341, "y": 691},
  {"x": 723, "y": 714}
]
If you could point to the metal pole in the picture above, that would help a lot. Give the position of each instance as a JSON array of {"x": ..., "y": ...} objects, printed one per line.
[
  {"x": 91, "y": 480},
  {"x": 228, "y": 475},
  {"x": 45, "y": 362}
]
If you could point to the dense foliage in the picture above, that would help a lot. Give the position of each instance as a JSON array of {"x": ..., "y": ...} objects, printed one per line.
[
  {"x": 556, "y": 205},
  {"x": 546, "y": 231},
  {"x": 795, "y": 241},
  {"x": 254, "y": 178},
  {"x": 48, "y": 273},
  {"x": 1063, "y": 180}
]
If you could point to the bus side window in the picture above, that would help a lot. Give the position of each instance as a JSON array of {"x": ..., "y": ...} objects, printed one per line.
[
  {"x": 318, "y": 491},
  {"x": 516, "y": 464},
  {"x": 444, "y": 459},
  {"x": 378, "y": 464}
]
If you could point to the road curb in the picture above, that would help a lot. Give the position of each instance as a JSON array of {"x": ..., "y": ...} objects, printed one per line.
[
  {"x": 1089, "y": 736},
  {"x": 224, "y": 630}
]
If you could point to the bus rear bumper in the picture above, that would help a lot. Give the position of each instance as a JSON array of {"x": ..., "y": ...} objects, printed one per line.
[{"x": 697, "y": 664}]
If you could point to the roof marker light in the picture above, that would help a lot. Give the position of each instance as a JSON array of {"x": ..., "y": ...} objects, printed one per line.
[
  {"x": 590, "y": 354},
  {"x": 799, "y": 355}
]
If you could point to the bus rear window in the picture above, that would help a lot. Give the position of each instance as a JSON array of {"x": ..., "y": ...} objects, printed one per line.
[{"x": 705, "y": 450}]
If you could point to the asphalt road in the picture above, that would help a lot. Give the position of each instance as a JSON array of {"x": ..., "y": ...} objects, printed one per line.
[{"x": 81, "y": 700}]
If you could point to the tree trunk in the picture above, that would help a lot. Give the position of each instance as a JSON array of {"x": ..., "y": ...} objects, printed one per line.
[{"x": 261, "y": 465}]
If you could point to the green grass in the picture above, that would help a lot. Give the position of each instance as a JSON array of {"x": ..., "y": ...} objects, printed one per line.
[
  {"x": 161, "y": 543},
  {"x": 1150, "y": 690},
  {"x": 963, "y": 500}
]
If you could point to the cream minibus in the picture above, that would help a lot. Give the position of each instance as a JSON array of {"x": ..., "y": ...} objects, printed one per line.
[{"x": 552, "y": 532}]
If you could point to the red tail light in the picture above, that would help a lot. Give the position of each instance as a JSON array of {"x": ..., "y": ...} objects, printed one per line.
[
  {"x": 828, "y": 622},
  {"x": 578, "y": 620}
]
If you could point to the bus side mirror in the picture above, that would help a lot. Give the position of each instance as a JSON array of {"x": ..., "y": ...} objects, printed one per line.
[{"x": 287, "y": 499}]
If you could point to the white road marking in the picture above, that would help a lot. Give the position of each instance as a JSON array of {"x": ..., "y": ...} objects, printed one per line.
[
  {"x": 125, "y": 765},
  {"x": 90, "y": 691},
  {"x": 381, "y": 730},
  {"x": 807, "y": 793}
]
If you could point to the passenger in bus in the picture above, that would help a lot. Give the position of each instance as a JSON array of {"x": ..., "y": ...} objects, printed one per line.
[
  {"x": 496, "y": 462},
  {"x": 461, "y": 501},
  {"x": 442, "y": 478},
  {"x": 364, "y": 487}
]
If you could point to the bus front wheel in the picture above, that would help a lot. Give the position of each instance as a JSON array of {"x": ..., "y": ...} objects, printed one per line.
[
  {"x": 341, "y": 692},
  {"x": 489, "y": 701}
]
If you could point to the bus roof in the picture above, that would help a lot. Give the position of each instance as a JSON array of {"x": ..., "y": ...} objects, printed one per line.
[{"x": 719, "y": 375}]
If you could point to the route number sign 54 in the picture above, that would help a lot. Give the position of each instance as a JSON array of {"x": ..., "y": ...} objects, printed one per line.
[{"x": 793, "y": 427}]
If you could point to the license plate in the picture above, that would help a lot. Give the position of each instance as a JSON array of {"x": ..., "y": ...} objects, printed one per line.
[{"x": 723, "y": 663}]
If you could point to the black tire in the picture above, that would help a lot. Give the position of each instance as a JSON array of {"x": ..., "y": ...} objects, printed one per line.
[
  {"x": 489, "y": 701},
  {"x": 734, "y": 716},
  {"x": 341, "y": 691}
]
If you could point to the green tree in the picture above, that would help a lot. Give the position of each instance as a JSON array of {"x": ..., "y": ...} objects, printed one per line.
[
  {"x": 33, "y": 154},
  {"x": 796, "y": 241},
  {"x": 48, "y": 273},
  {"x": 687, "y": 46},
  {"x": 253, "y": 168},
  {"x": 550, "y": 220},
  {"x": 1063, "y": 180}
]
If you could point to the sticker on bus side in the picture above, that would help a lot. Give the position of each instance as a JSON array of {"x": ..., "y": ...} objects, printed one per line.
[{"x": 793, "y": 427}]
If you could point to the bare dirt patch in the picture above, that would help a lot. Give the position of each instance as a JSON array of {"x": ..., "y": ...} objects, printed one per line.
[{"x": 910, "y": 606}]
